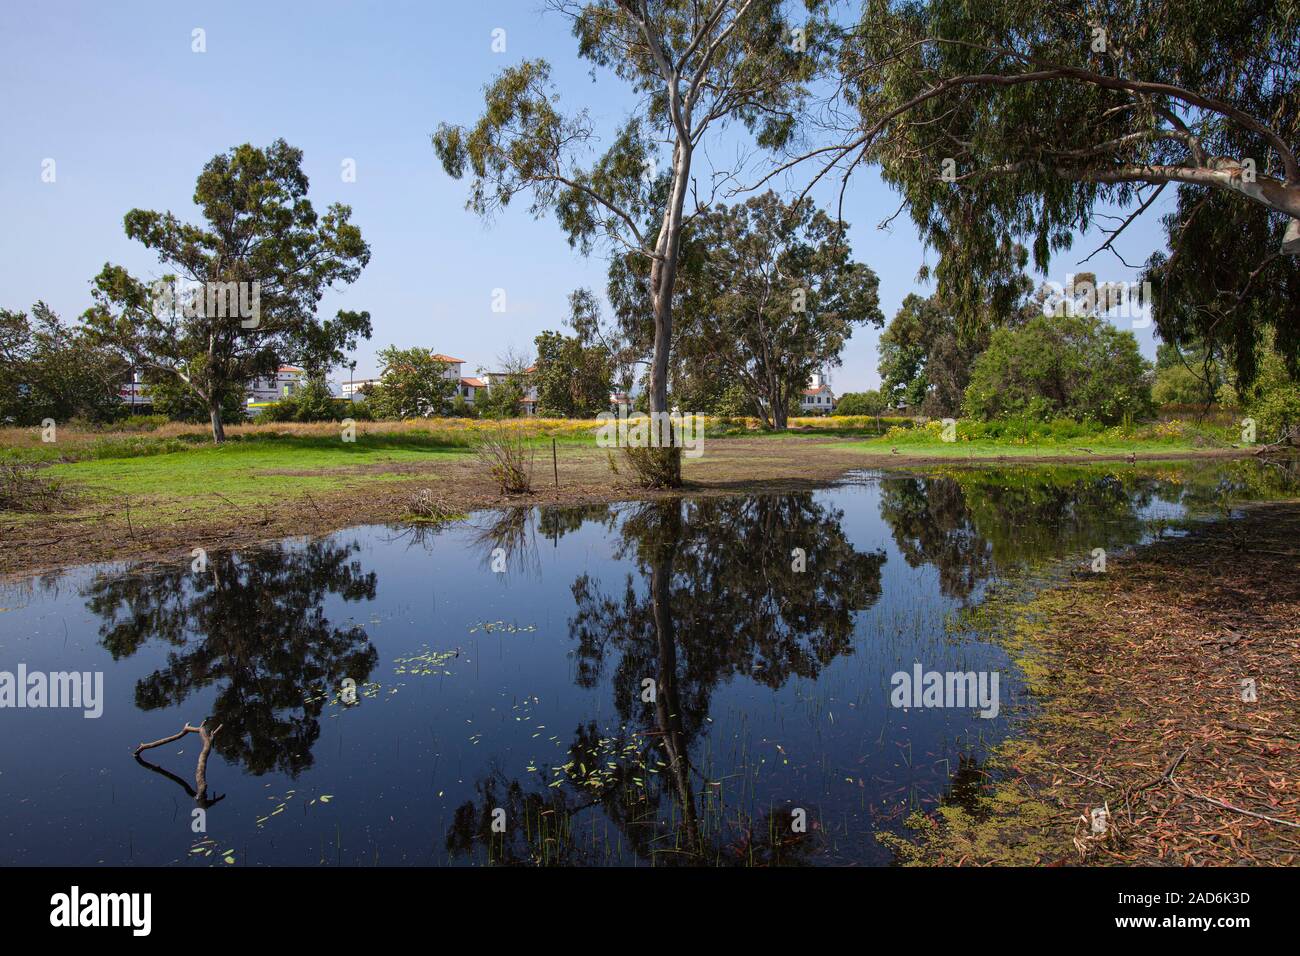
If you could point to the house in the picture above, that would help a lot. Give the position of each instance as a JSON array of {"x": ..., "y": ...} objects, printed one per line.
[
  {"x": 258, "y": 393},
  {"x": 527, "y": 404},
  {"x": 470, "y": 387},
  {"x": 265, "y": 390},
  {"x": 452, "y": 371},
  {"x": 355, "y": 389},
  {"x": 817, "y": 398}
]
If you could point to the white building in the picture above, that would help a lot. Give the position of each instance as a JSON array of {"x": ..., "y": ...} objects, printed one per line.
[
  {"x": 259, "y": 393},
  {"x": 817, "y": 398},
  {"x": 356, "y": 388},
  {"x": 468, "y": 387},
  {"x": 271, "y": 388}
]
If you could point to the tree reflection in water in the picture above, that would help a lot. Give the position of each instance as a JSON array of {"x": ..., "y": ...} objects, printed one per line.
[
  {"x": 972, "y": 523},
  {"x": 716, "y": 594},
  {"x": 253, "y": 627}
]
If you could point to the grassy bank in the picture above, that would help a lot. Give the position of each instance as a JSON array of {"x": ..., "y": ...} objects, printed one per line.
[
  {"x": 133, "y": 493},
  {"x": 1136, "y": 677}
]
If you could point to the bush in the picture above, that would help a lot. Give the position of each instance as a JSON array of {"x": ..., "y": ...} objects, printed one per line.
[
  {"x": 870, "y": 402},
  {"x": 141, "y": 423},
  {"x": 312, "y": 403},
  {"x": 509, "y": 456},
  {"x": 425, "y": 507},
  {"x": 1079, "y": 367},
  {"x": 655, "y": 467},
  {"x": 1274, "y": 402}
]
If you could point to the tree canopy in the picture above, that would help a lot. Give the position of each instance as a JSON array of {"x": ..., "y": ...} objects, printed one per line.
[
  {"x": 1015, "y": 122},
  {"x": 49, "y": 369},
  {"x": 414, "y": 384},
  {"x": 242, "y": 295},
  {"x": 771, "y": 297}
]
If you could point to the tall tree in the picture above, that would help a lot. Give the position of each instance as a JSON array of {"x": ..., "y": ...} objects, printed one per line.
[
  {"x": 572, "y": 380},
  {"x": 695, "y": 67},
  {"x": 905, "y": 349},
  {"x": 414, "y": 384},
  {"x": 927, "y": 350},
  {"x": 1027, "y": 120},
  {"x": 243, "y": 295},
  {"x": 774, "y": 298}
]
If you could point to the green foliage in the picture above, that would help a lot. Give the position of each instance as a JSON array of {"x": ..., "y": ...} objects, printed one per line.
[
  {"x": 52, "y": 370},
  {"x": 414, "y": 384},
  {"x": 1179, "y": 385},
  {"x": 180, "y": 403},
  {"x": 1209, "y": 292},
  {"x": 460, "y": 408},
  {"x": 926, "y": 351},
  {"x": 502, "y": 399},
  {"x": 261, "y": 228},
  {"x": 870, "y": 402},
  {"x": 904, "y": 348},
  {"x": 313, "y": 402},
  {"x": 1274, "y": 401},
  {"x": 1008, "y": 128},
  {"x": 1060, "y": 366},
  {"x": 572, "y": 380},
  {"x": 769, "y": 295}
]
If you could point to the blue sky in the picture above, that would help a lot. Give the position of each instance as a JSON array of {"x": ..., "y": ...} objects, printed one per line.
[{"x": 115, "y": 96}]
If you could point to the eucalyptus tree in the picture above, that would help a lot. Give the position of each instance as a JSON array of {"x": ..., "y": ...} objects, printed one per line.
[
  {"x": 242, "y": 291},
  {"x": 775, "y": 297},
  {"x": 1023, "y": 121},
  {"x": 695, "y": 68}
]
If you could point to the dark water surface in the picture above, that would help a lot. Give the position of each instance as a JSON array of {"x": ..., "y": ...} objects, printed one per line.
[{"x": 519, "y": 697}]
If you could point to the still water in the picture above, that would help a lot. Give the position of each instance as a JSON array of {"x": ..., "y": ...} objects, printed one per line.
[{"x": 694, "y": 682}]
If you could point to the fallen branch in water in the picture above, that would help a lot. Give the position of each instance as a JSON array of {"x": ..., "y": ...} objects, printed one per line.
[{"x": 200, "y": 791}]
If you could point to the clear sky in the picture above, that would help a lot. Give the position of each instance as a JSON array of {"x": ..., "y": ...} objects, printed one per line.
[{"x": 114, "y": 94}]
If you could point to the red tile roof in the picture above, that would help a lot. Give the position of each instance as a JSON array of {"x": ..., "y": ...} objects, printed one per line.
[
  {"x": 447, "y": 358},
  {"x": 475, "y": 382}
]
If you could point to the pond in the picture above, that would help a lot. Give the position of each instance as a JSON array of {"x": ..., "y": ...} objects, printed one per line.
[{"x": 709, "y": 681}]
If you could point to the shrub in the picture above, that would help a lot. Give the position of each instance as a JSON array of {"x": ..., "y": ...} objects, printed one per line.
[
  {"x": 655, "y": 467},
  {"x": 1079, "y": 367},
  {"x": 509, "y": 456},
  {"x": 870, "y": 402},
  {"x": 1275, "y": 402},
  {"x": 141, "y": 423}
]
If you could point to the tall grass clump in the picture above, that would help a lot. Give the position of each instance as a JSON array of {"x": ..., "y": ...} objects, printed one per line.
[
  {"x": 24, "y": 490},
  {"x": 655, "y": 466},
  {"x": 509, "y": 456}
]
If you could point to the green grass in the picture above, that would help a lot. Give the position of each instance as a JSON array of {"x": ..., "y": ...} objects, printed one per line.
[
  {"x": 182, "y": 475},
  {"x": 1030, "y": 438},
  {"x": 248, "y": 473},
  {"x": 990, "y": 448}
]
